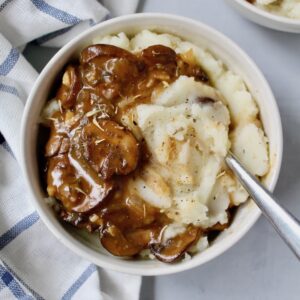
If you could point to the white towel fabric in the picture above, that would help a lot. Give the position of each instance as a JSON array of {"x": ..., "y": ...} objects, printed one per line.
[{"x": 33, "y": 264}]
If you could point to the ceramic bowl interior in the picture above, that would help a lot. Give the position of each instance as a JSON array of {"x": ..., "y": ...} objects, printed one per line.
[
  {"x": 89, "y": 246},
  {"x": 265, "y": 18}
]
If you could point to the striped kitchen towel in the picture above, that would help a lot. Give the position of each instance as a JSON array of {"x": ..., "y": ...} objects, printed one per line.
[{"x": 33, "y": 264}]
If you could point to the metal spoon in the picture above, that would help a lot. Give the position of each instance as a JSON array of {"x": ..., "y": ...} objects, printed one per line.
[{"x": 284, "y": 222}]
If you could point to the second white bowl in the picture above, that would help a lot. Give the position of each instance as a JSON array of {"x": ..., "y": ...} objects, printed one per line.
[{"x": 265, "y": 18}]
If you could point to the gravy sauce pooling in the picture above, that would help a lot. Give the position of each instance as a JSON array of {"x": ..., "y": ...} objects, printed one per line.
[{"x": 91, "y": 156}]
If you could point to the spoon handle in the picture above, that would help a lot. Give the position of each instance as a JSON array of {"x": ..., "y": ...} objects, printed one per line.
[{"x": 287, "y": 226}]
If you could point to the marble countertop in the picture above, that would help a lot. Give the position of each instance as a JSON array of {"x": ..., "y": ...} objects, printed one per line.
[{"x": 259, "y": 266}]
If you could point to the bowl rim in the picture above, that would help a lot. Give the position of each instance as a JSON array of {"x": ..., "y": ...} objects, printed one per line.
[
  {"x": 268, "y": 15},
  {"x": 71, "y": 242}
]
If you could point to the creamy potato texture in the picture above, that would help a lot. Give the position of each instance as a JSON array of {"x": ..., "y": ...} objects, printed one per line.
[
  {"x": 187, "y": 134},
  {"x": 287, "y": 8}
]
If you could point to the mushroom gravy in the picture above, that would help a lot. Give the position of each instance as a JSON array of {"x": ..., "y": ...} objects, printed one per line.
[{"x": 91, "y": 156}]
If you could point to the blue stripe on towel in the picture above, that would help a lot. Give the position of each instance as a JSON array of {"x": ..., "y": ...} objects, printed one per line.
[
  {"x": 34, "y": 293},
  {"x": 79, "y": 282},
  {"x": 2, "y": 284},
  {"x": 55, "y": 12},
  {"x": 9, "y": 61},
  {"x": 9, "y": 89},
  {"x": 4, "y": 4},
  {"x": 57, "y": 33},
  {"x": 17, "y": 229},
  {"x": 13, "y": 284}
]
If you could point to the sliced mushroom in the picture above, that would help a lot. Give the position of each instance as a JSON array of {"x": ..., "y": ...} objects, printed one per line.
[
  {"x": 109, "y": 148},
  {"x": 57, "y": 144},
  {"x": 141, "y": 211},
  {"x": 91, "y": 52},
  {"x": 91, "y": 100},
  {"x": 94, "y": 188},
  {"x": 174, "y": 248},
  {"x": 159, "y": 54},
  {"x": 71, "y": 85},
  {"x": 53, "y": 144},
  {"x": 113, "y": 240},
  {"x": 110, "y": 73},
  {"x": 131, "y": 226},
  {"x": 75, "y": 184},
  {"x": 62, "y": 182},
  {"x": 110, "y": 65},
  {"x": 161, "y": 60}
]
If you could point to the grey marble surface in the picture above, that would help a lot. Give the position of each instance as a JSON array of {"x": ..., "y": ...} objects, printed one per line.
[{"x": 259, "y": 266}]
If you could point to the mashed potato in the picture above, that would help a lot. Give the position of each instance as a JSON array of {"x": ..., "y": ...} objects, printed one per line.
[
  {"x": 287, "y": 8},
  {"x": 189, "y": 127}
]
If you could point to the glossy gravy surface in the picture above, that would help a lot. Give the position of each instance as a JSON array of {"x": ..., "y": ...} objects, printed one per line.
[{"x": 91, "y": 156}]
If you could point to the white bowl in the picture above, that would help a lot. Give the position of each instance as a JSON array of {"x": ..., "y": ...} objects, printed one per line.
[
  {"x": 265, "y": 18},
  {"x": 201, "y": 35}
]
